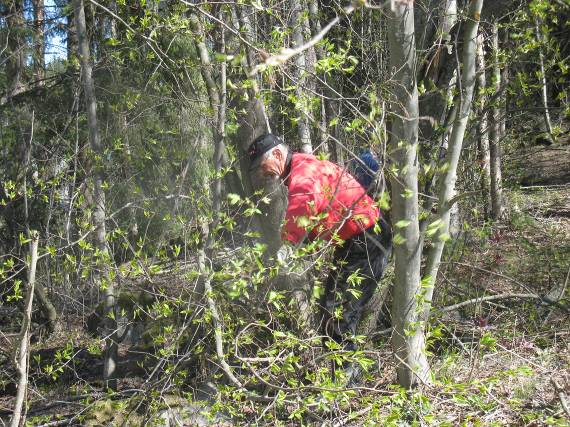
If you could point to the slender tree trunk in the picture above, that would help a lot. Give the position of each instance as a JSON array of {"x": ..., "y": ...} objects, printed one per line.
[
  {"x": 98, "y": 218},
  {"x": 328, "y": 145},
  {"x": 22, "y": 353},
  {"x": 484, "y": 156},
  {"x": 495, "y": 134},
  {"x": 217, "y": 102},
  {"x": 408, "y": 338},
  {"x": 439, "y": 73},
  {"x": 504, "y": 92},
  {"x": 303, "y": 125},
  {"x": 440, "y": 226},
  {"x": 39, "y": 41},
  {"x": 16, "y": 45},
  {"x": 543, "y": 83},
  {"x": 220, "y": 133},
  {"x": 46, "y": 305}
]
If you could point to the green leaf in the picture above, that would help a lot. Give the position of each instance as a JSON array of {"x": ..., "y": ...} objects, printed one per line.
[
  {"x": 303, "y": 221},
  {"x": 399, "y": 239},
  {"x": 233, "y": 198}
]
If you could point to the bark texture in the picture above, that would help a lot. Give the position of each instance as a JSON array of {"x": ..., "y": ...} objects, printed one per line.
[
  {"x": 484, "y": 157},
  {"x": 497, "y": 207},
  {"x": 543, "y": 83},
  {"x": 16, "y": 60},
  {"x": 98, "y": 217},
  {"x": 39, "y": 41},
  {"x": 303, "y": 125},
  {"x": 408, "y": 338},
  {"x": 446, "y": 191},
  {"x": 22, "y": 355}
]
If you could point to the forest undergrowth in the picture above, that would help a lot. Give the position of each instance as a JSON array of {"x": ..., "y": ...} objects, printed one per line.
[{"x": 500, "y": 355}]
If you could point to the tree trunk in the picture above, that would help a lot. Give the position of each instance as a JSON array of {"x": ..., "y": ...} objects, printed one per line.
[
  {"x": 438, "y": 73},
  {"x": 543, "y": 83},
  {"x": 303, "y": 125},
  {"x": 495, "y": 134},
  {"x": 216, "y": 97},
  {"x": 98, "y": 216},
  {"x": 326, "y": 136},
  {"x": 408, "y": 338},
  {"x": 484, "y": 157},
  {"x": 22, "y": 355},
  {"x": 253, "y": 122},
  {"x": 504, "y": 92},
  {"x": 39, "y": 41},
  {"x": 16, "y": 60},
  {"x": 440, "y": 226},
  {"x": 219, "y": 147}
]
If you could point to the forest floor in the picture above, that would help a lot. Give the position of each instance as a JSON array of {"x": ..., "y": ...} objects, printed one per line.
[{"x": 503, "y": 361}]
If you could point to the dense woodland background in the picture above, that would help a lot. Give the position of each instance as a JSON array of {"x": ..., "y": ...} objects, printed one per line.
[{"x": 136, "y": 279}]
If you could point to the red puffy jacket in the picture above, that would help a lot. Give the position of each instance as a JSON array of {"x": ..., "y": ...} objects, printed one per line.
[{"x": 325, "y": 199}]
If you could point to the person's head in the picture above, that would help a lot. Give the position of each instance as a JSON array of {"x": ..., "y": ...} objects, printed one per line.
[{"x": 268, "y": 155}]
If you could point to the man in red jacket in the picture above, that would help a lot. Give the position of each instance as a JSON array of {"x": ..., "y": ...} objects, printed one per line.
[{"x": 325, "y": 201}]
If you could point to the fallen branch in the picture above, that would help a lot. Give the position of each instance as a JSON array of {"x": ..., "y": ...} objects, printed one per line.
[
  {"x": 475, "y": 301},
  {"x": 487, "y": 298},
  {"x": 544, "y": 299}
]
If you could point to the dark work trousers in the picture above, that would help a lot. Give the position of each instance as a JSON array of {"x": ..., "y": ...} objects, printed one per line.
[{"x": 367, "y": 255}]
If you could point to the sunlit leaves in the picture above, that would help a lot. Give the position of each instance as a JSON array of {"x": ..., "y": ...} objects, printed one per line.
[{"x": 402, "y": 223}]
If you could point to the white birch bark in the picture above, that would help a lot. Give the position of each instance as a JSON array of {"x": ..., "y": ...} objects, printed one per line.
[
  {"x": 446, "y": 190},
  {"x": 408, "y": 339}
]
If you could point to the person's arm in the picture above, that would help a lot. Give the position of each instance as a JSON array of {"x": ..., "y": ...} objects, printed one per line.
[{"x": 304, "y": 203}]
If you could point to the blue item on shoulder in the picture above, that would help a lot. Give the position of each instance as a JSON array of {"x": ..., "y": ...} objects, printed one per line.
[{"x": 365, "y": 168}]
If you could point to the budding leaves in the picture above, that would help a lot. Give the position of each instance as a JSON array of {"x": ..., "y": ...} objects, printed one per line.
[{"x": 403, "y": 223}]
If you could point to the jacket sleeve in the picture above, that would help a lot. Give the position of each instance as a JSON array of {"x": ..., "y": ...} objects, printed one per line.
[{"x": 303, "y": 203}]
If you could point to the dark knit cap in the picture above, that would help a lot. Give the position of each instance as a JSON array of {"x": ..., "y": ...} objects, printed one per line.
[{"x": 260, "y": 146}]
